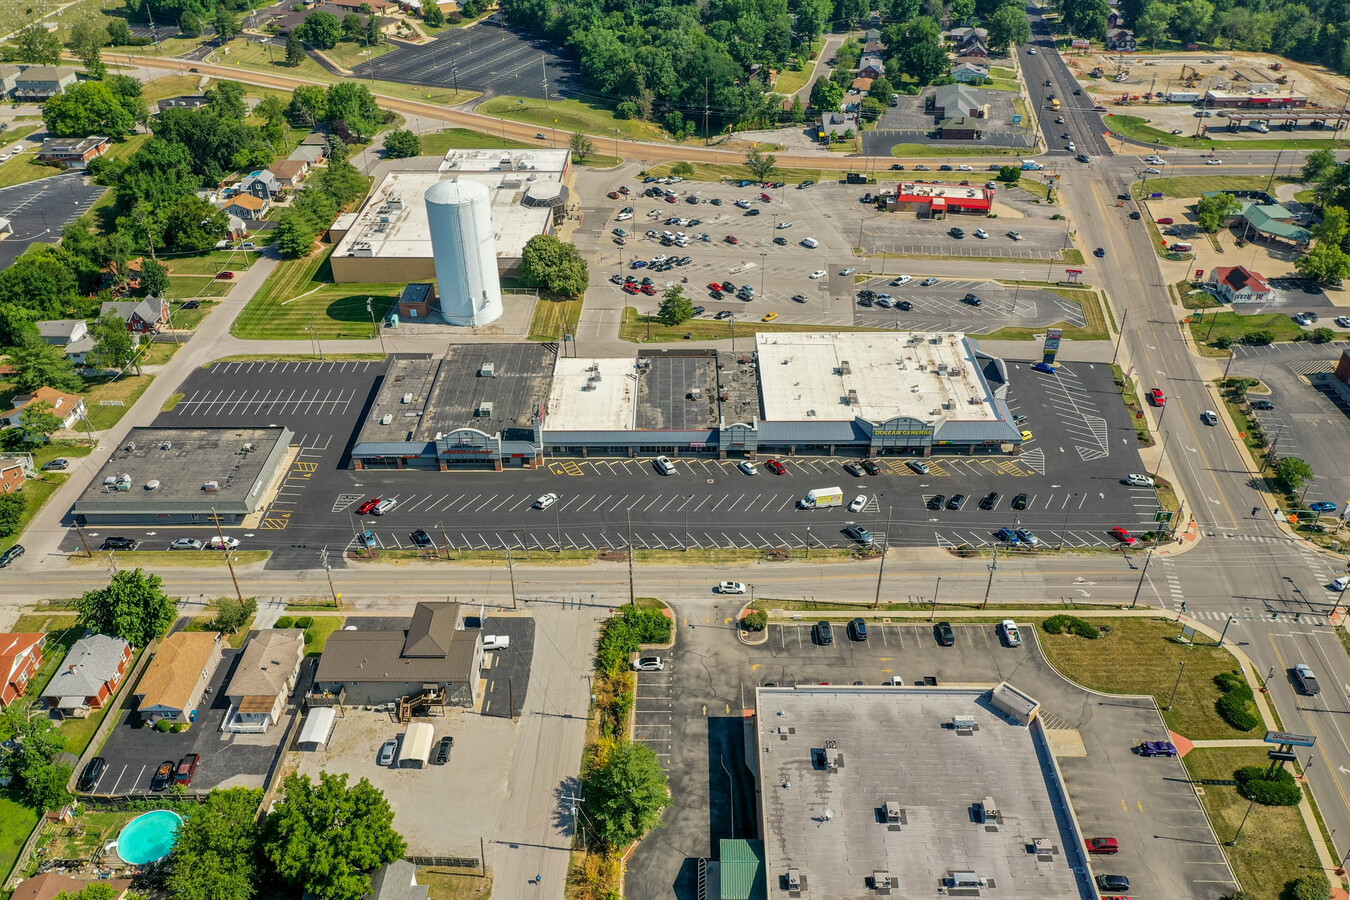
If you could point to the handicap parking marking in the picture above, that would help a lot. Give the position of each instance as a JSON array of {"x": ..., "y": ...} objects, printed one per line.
[{"x": 565, "y": 467}]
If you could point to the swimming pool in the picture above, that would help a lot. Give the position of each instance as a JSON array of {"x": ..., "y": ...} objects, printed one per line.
[{"x": 149, "y": 838}]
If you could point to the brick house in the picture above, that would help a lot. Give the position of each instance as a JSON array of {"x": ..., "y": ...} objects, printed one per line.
[
  {"x": 20, "y": 658},
  {"x": 89, "y": 675},
  {"x": 14, "y": 471},
  {"x": 142, "y": 317},
  {"x": 73, "y": 153}
]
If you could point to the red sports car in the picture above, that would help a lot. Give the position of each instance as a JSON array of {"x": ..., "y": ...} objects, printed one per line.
[
  {"x": 367, "y": 506},
  {"x": 1123, "y": 536}
]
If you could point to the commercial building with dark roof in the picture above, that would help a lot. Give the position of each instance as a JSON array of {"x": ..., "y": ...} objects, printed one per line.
[
  {"x": 187, "y": 476},
  {"x": 435, "y": 652}
]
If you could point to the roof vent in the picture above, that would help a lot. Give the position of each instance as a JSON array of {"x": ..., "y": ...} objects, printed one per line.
[
  {"x": 794, "y": 879},
  {"x": 487, "y": 370},
  {"x": 964, "y": 724},
  {"x": 167, "y": 445},
  {"x": 131, "y": 446},
  {"x": 988, "y": 811},
  {"x": 407, "y": 398},
  {"x": 152, "y": 484},
  {"x": 386, "y": 418},
  {"x": 211, "y": 486},
  {"x": 484, "y": 408}
]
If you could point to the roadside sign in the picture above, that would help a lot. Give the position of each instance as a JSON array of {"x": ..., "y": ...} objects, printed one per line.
[
  {"x": 1162, "y": 515},
  {"x": 1290, "y": 740}
]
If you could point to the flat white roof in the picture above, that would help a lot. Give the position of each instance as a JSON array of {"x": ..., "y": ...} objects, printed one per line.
[
  {"x": 593, "y": 395},
  {"x": 874, "y": 376},
  {"x": 393, "y": 222}
]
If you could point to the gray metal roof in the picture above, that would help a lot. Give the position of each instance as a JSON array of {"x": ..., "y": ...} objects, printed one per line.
[
  {"x": 396, "y": 881},
  {"x": 380, "y": 656}
]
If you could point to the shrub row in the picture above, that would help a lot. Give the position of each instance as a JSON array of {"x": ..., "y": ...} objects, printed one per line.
[
  {"x": 1235, "y": 706},
  {"x": 1062, "y": 624},
  {"x": 1279, "y": 789},
  {"x": 625, "y": 633},
  {"x": 288, "y": 622}
]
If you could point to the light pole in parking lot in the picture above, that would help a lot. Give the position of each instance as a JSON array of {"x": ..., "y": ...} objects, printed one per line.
[
  {"x": 763, "y": 261},
  {"x": 1066, "y": 520},
  {"x": 1233, "y": 842},
  {"x": 1169, "y": 709}
]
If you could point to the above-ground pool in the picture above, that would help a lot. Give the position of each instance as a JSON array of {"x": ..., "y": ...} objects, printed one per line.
[{"x": 149, "y": 838}]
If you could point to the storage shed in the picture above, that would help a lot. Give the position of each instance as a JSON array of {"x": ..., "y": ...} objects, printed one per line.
[
  {"x": 416, "y": 746},
  {"x": 318, "y": 728}
]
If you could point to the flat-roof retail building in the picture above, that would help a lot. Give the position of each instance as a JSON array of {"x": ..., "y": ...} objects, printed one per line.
[
  {"x": 936, "y": 199},
  {"x": 909, "y": 792},
  {"x": 389, "y": 239},
  {"x": 852, "y": 393},
  {"x": 186, "y": 476}
]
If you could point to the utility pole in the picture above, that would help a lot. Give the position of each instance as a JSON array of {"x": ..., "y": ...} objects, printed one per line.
[
  {"x": 1144, "y": 572},
  {"x": 1121, "y": 334},
  {"x": 228, "y": 561},
  {"x": 885, "y": 542},
  {"x": 993, "y": 567},
  {"x": 1174, "y": 688},
  {"x": 706, "y": 136},
  {"x": 328, "y": 570},
  {"x": 441, "y": 526},
  {"x": 379, "y": 332},
  {"x": 511, "y": 571},
  {"x": 632, "y": 601},
  {"x": 933, "y": 615},
  {"x": 84, "y": 539}
]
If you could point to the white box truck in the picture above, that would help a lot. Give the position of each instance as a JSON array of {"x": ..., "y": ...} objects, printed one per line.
[
  {"x": 820, "y": 498},
  {"x": 1182, "y": 96}
]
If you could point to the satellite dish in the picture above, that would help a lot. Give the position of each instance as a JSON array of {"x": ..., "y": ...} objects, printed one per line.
[{"x": 829, "y": 815}]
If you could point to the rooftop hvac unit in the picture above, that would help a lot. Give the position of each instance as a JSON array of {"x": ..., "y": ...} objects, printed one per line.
[
  {"x": 394, "y": 201},
  {"x": 407, "y": 398},
  {"x": 386, "y": 418},
  {"x": 942, "y": 368},
  {"x": 852, "y": 397},
  {"x": 844, "y": 368},
  {"x": 881, "y": 880},
  {"x": 152, "y": 484},
  {"x": 131, "y": 446},
  {"x": 989, "y": 811},
  {"x": 891, "y": 809},
  {"x": 484, "y": 409},
  {"x": 963, "y": 723},
  {"x": 167, "y": 445},
  {"x": 249, "y": 447},
  {"x": 964, "y": 880},
  {"x": 794, "y": 879},
  {"x": 211, "y": 486},
  {"x": 487, "y": 370}
]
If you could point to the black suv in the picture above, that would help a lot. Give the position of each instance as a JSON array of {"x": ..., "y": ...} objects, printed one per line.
[
  {"x": 972, "y": 299},
  {"x": 824, "y": 633},
  {"x": 957, "y": 501},
  {"x": 936, "y": 501},
  {"x": 443, "y": 750},
  {"x": 91, "y": 774},
  {"x": 871, "y": 467},
  {"x": 1020, "y": 501},
  {"x": 989, "y": 500},
  {"x": 422, "y": 540},
  {"x": 957, "y": 232},
  {"x": 118, "y": 543},
  {"x": 944, "y": 634}
]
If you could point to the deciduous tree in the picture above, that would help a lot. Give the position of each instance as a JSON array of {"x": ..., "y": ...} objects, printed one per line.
[
  {"x": 322, "y": 29},
  {"x": 1155, "y": 22},
  {"x": 1214, "y": 211},
  {"x": 216, "y": 853},
  {"x": 553, "y": 265},
  {"x": 40, "y": 364},
  {"x": 761, "y": 165},
  {"x": 1318, "y": 165},
  {"x": 1008, "y": 27},
  {"x": 432, "y": 14},
  {"x": 133, "y": 607},
  {"x": 86, "y": 109},
  {"x": 87, "y": 39},
  {"x": 676, "y": 308},
  {"x": 33, "y": 43},
  {"x": 402, "y": 144},
  {"x": 114, "y": 346},
  {"x": 625, "y": 794},
  {"x": 582, "y": 147}
]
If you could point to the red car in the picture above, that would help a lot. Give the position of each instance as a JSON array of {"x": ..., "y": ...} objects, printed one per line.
[
  {"x": 613, "y": 195},
  {"x": 1165, "y": 221},
  {"x": 367, "y": 506},
  {"x": 1123, "y": 536},
  {"x": 732, "y": 239},
  {"x": 187, "y": 767},
  {"x": 714, "y": 286},
  {"x": 766, "y": 198},
  {"x": 649, "y": 289},
  {"x": 1156, "y": 397},
  {"x": 623, "y": 189},
  {"x": 630, "y": 288},
  {"x": 1105, "y": 845},
  {"x": 670, "y": 198},
  {"x": 225, "y": 275},
  {"x": 775, "y": 467}
]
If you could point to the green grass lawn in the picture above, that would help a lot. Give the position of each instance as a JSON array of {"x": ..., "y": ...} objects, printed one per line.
[
  {"x": 569, "y": 115},
  {"x": 190, "y": 318},
  {"x": 438, "y": 143},
  {"x": 1141, "y": 656},
  {"x": 210, "y": 263},
  {"x": 718, "y": 172},
  {"x": 318, "y": 633},
  {"x": 299, "y": 297},
  {"x": 1138, "y": 128},
  {"x": 1274, "y": 848},
  {"x": 187, "y": 287},
  {"x": 1212, "y": 326},
  {"x": 1183, "y": 186},
  {"x": 127, "y": 389},
  {"x": 790, "y": 81},
  {"x": 16, "y": 823},
  {"x": 168, "y": 86},
  {"x": 553, "y": 318},
  {"x": 17, "y": 133},
  {"x": 178, "y": 559},
  {"x": 1095, "y": 330},
  {"x": 37, "y": 492},
  {"x": 236, "y": 640}
]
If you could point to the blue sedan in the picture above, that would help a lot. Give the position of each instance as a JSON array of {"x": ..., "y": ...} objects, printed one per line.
[
  {"x": 1322, "y": 506},
  {"x": 639, "y": 264},
  {"x": 1043, "y": 367}
]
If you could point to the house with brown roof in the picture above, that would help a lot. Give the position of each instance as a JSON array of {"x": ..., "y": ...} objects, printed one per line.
[
  {"x": 20, "y": 658},
  {"x": 69, "y": 408},
  {"x": 862, "y": 85},
  {"x": 384, "y": 666},
  {"x": 264, "y": 679},
  {"x": 51, "y": 885},
  {"x": 89, "y": 675},
  {"x": 176, "y": 678},
  {"x": 289, "y": 172},
  {"x": 246, "y": 206}
]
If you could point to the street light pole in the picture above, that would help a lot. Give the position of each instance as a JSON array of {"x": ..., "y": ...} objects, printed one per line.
[
  {"x": 1174, "y": 692},
  {"x": 1139, "y": 587},
  {"x": 885, "y": 539},
  {"x": 933, "y": 615},
  {"x": 1233, "y": 842}
]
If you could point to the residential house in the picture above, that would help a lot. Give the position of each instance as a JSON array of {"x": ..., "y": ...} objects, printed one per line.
[
  {"x": 963, "y": 37},
  {"x": 264, "y": 679},
  {"x": 246, "y": 206},
  {"x": 973, "y": 50},
  {"x": 1121, "y": 41},
  {"x": 9, "y": 77},
  {"x": 872, "y": 34},
  {"x": 833, "y": 124},
  {"x": 960, "y": 128},
  {"x": 1114, "y": 19},
  {"x": 37, "y": 83},
  {"x": 874, "y": 48},
  {"x": 314, "y": 154},
  {"x": 176, "y": 679},
  {"x": 1239, "y": 284},
  {"x": 261, "y": 184},
  {"x": 238, "y": 230},
  {"x": 959, "y": 100},
  {"x": 74, "y": 153},
  {"x": 209, "y": 195},
  {"x": 289, "y": 172},
  {"x": 69, "y": 408},
  {"x": 969, "y": 73},
  {"x": 51, "y": 885},
  {"x": 89, "y": 675},
  {"x": 396, "y": 881},
  {"x": 142, "y": 316},
  {"x": 20, "y": 659},
  {"x": 861, "y": 85},
  {"x": 385, "y": 666},
  {"x": 14, "y": 471},
  {"x": 187, "y": 101},
  {"x": 72, "y": 335},
  {"x": 871, "y": 67}
]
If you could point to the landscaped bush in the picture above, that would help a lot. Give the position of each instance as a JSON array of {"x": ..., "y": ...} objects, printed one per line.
[
  {"x": 1279, "y": 789},
  {"x": 163, "y": 726},
  {"x": 624, "y": 634},
  {"x": 304, "y": 622},
  {"x": 180, "y": 727},
  {"x": 1062, "y": 624},
  {"x": 1235, "y": 706},
  {"x": 756, "y": 620},
  {"x": 1313, "y": 886},
  {"x": 284, "y": 622}
]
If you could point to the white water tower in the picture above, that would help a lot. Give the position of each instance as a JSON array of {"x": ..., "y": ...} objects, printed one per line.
[{"x": 460, "y": 216}]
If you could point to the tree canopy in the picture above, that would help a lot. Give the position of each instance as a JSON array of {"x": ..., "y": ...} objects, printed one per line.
[
  {"x": 625, "y": 794},
  {"x": 553, "y": 265},
  {"x": 402, "y": 144},
  {"x": 88, "y": 108},
  {"x": 216, "y": 855},
  {"x": 133, "y": 607},
  {"x": 676, "y": 308}
]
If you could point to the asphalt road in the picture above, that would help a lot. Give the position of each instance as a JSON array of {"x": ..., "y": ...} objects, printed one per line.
[{"x": 1080, "y": 119}]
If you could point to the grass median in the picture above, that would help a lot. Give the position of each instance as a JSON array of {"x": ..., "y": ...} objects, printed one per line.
[
  {"x": 1144, "y": 656},
  {"x": 172, "y": 559},
  {"x": 1274, "y": 848},
  {"x": 1139, "y": 129},
  {"x": 644, "y": 329},
  {"x": 554, "y": 318},
  {"x": 438, "y": 143},
  {"x": 1214, "y": 328},
  {"x": 569, "y": 115},
  {"x": 1183, "y": 186},
  {"x": 300, "y": 300}
]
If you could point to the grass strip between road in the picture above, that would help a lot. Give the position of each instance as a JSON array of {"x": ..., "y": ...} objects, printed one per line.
[
  {"x": 171, "y": 559},
  {"x": 1139, "y": 129},
  {"x": 300, "y": 301},
  {"x": 554, "y": 318},
  {"x": 569, "y": 115},
  {"x": 1275, "y": 847},
  {"x": 1143, "y": 656},
  {"x": 645, "y": 329}
]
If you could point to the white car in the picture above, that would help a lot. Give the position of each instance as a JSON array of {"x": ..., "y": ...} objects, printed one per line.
[
  {"x": 849, "y": 270},
  {"x": 782, "y": 225},
  {"x": 648, "y": 664},
  {"x": 1031, "y": 52},
  {"x": 1010, "y": 632},
  {"x": 1213, "y": 162},
  {"x": 1341, "y": 583},
  {"x": 1155, "y": 161},
  {"x": 1209, "y": 417},
  {"x": 981, "y": 234},
  {"x": 1152, "y": 171},
  {"x": 903, "y": 279},
  {"x": 747, "y": 467},
  {"x": 731, "y": 587},
  {"x": 1343, "y": 321},
  {"x": 1139, "y": 480},
  {"x": 223, "y": 543},
  {"x": 1015, "y": 235},
  {"x": 623, "y": 217},
  {"x": 964, "y": 168},
  {"x": 818, "y": 273},
  {"x": 659, "y": 258},
  {"x": 186, "y": 544},
  {"x": 546, "y": 501},
  {"x": 858, "y": 503}
]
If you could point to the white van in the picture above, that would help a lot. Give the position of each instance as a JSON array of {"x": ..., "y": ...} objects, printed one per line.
[
  {"x": 664, "y": 465},
  {"x": 496, "y": 641},
  {"x": 384, "y": 506},
  {"x": 810, "y": 243}
]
